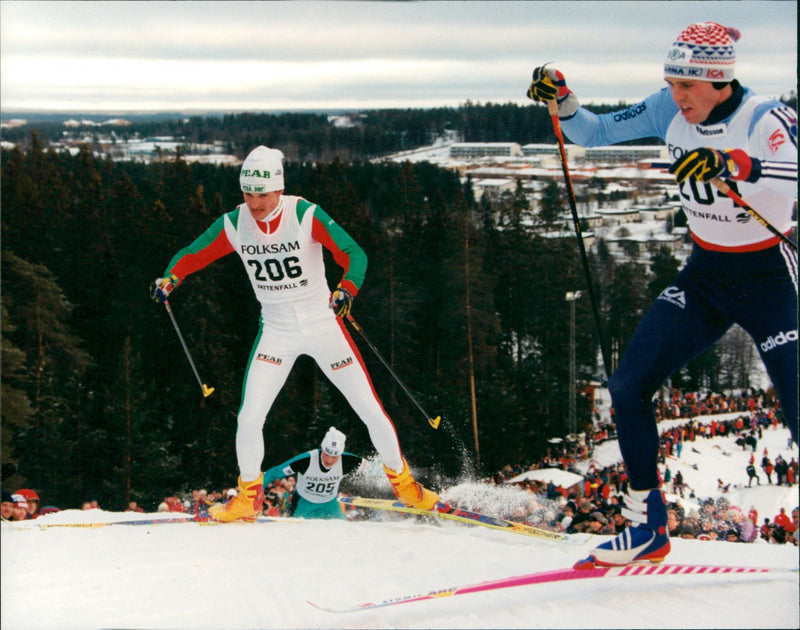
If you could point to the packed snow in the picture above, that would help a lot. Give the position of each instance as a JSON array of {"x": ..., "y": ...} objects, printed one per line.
[{"x": 195, "y": 576}]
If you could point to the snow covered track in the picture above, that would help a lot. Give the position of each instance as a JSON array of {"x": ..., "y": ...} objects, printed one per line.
[{"x": 195, "y": 577}]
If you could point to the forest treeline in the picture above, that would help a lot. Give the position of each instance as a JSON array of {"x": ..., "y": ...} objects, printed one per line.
[
  {"x": 304, "y": 136},
  {"x": 307, "y": 136},
  {"x": 98, "y": 399}
]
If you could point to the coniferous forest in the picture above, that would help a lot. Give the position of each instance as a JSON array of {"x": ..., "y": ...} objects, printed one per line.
[{"x": 99, "y": 401}]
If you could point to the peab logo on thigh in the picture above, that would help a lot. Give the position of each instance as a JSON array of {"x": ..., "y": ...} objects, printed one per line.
[{"x": 781, "y": 339}]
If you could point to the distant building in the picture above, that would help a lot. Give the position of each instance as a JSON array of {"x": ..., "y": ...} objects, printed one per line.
[
  {"x": 493, "y": 187},
  {"x": 659, "y": 213},
  {"x": 642, "y": 238},
  {"x": 618, "y": 216},
  {"x": 589, "y": 238},
  {"x": 484, "y": 149},
  {"x": 626, "y": 154},
  {"x": 14, "y": 122},
  {"x": 573, "y": 151},
  {"x": 117, "y": 122}
]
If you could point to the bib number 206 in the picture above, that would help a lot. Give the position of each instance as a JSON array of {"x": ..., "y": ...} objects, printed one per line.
[{"x": 276, "y": 269}]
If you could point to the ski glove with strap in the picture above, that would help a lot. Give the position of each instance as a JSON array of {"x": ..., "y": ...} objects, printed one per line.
[
  {"x": 705, "y": 164},
  {"x": 341, "y": 302},
  {"x": 160, "y": 288},
  {"x": 549, "y": 84}
]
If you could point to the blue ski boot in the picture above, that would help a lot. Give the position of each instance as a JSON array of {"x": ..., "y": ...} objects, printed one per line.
[{"x": 646, "y": 539}]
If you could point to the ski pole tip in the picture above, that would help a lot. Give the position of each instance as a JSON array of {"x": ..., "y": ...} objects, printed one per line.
[{"x": 207, "y": 391}]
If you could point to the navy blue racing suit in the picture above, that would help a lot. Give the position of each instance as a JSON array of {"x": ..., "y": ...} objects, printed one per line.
[{"x": 738, "y": 271}]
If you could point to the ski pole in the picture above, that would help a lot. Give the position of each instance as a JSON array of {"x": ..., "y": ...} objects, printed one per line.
[
  {"x": 434, "y": 422},
  {"x": 725, "y": 189},
  {"x": 207, "y": 391},
  {"x": 552, "y": 108}
]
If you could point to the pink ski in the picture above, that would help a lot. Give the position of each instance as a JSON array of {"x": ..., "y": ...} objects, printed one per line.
[{"x": 561, "y": 575}]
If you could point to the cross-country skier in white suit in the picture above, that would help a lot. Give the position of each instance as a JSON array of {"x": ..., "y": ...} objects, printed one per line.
[{"x": 280, "y": 239}]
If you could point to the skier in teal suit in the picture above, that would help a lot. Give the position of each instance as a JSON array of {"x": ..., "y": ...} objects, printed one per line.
[{"x": 319, "y": 473}]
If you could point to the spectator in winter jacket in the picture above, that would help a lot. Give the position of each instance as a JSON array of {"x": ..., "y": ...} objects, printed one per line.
[
  {"x": 781, "y": 468},
  {"x": 678, "y": 483},
  {"x": 688, "y": 530},
  {"x": 565, "y": 518},
  {"x": 7, "y": 507},
  {"x": 751, "y": 474},
  {"x": 580, "y": 523},
  {"x": 768, "y": 467},
  {"x": 20, "y": 510},
  {"x": 777, "y": 535},
  {"x": 32, "y": 499},
  {"x": 598, "y": 524},
  {"x": 783, "y": 520},
  {"x": 619, "y": 521},
  {"x": 764, "y": 530},
  {"x": 673, "y": 523}
]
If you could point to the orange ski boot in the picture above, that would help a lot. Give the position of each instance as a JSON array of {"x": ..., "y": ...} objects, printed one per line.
[
  {"x": 409, "y": 491},
  {"x": 245, "y": 506}
]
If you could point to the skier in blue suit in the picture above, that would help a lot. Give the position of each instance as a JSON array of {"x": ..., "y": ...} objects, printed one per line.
[{"x": 739, "y": 272}]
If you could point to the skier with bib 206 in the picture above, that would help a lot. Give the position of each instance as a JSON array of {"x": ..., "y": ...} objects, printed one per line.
[
  {"x": 280, "y": 239},
  {"x": 739, "y": 272},
  {"x": 319, "y": 473}
]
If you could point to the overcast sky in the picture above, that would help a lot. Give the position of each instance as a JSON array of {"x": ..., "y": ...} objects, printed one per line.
[{"x": 184, "y": 56}]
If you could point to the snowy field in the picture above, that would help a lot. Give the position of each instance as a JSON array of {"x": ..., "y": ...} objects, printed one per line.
[{"x": 194, "y": 576}]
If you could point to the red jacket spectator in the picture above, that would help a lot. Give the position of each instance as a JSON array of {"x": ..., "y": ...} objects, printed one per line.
[
  {"x": 784, "y": 521},
  {"x": 32, "y": 500}
]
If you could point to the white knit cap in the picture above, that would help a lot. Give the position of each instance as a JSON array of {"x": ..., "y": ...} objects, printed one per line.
[
  {"x": 262, "y": 171},
  {"x": 703, "y": 52},
  {"x": 333, "y": 442}
]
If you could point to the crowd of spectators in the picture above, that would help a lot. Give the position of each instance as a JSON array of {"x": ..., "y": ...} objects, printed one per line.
[
  {"x": 596, "y": 504},
  {"x": 22, "y": 505}
]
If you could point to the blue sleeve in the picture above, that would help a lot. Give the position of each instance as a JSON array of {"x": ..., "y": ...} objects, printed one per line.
[
  {"x": 647, "y": 119},
  {"x": 287, "y": 469}
]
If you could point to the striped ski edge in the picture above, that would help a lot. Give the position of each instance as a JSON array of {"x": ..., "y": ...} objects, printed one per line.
[
  {"x": 463, "y": 516},
  {"x": 562, "y": 575},
  {"x": 32, "y": 524}
]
